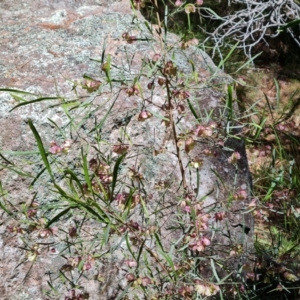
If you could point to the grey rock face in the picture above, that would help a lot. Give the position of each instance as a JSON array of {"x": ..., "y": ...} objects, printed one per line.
[{"x": 46, "y": 48}]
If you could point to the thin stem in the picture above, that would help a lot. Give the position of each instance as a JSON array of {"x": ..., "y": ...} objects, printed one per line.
[
  {"x": 175, "y": 136},
  {"x": 159, "y": 24}
]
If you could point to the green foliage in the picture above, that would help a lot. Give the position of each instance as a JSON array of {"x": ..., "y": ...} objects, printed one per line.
[{"x": 100, "y": 189}]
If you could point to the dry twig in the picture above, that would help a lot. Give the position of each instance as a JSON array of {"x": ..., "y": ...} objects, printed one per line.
[{"x": 256, "y": 21}]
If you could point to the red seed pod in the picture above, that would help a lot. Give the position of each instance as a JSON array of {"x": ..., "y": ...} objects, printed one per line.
[
  {"x": 144, "y": 115},
  {"x": 156, "y": 57},
  {"x": 180, "y": 109},
  {"x": 161, "y": 81},
  {"x": 150, "y": 85},
  {"x": 130, "y": 277}
]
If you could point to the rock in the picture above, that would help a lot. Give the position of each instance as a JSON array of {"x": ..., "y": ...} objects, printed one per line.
[{"x": 47, "y": 49}]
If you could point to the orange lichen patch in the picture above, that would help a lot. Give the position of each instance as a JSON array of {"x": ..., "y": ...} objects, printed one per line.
[
  {"x": 72, "y": 17},
  {"x": 64, "y": 21},
  {"x": 54, "y": 53},
  {"x": 51, "y": 26},
  {"x": 203, "y": 74},
  {"x": 112, "y": 45}
]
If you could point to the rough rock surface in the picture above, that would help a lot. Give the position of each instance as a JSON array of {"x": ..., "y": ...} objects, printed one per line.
[{"x": 46, "y": 47}]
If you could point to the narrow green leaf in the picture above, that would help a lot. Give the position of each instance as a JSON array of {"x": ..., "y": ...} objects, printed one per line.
[
  {"x": 85, "y": 206},
  {"x": 92, "y": 59},
  {"x": 19, "y": 172},
  {"x": 226, "y": 277},
  {"x": 99, "y": 212},
  {"x": 290, "y": 24},
  {"x": 5, "y": 208},
  {"x": 27, "y": 274},
  {"x": 214, "y": 270},
  {"x": 146, "y": 213},
  {"x": 170, "y": 263},
  {"x": 260, "y": 127},
  {"x": 16, "y": 91},
  {"x": 212, "y": 12},
  {"x": 169, "y": 260},
  {"x": 193, "y": 110},
  {"x": 277, "y": 91},
  {"x": 229, "y": 103},
  {"x": 115, "y": 174},
  {"x": 58, "y": 216},
  {"x": 107, "y": 71},
  {"x": 165, "y": 23},
  {"x": 127, "y": 204},
  {"x": 158, "y": 241},
  {"x": 248, "y": 62},
  {"x": 35, "y": 101},
  {"x": 158, "y": 115},
  {"x": 103, "y": 51},
  {"x": 269, "y": 105},
  {"x": 20, "y": 152},
  {"x": 58, "y": 128},
  {"x": 106, "y": 234},
  {"x": 80, "y": 265},
  {"x": 6, "y": 160},
  {"x": 75, "y": 178},
  {"x": 88, "y": 77},
  {"x": 18, "y": 98},
  {"x": 223, "y": 61},
  {"x": 219, "y": 177},
  {"x": 128, "y": 245},
  {"x": 105, "y": 190},
  {"x": 148, "y": 27},
  {"x": 101, "y": 123},
  {"x": 198, "y": 182},
  {"x": 52, "y": 287},
  {"x": 86, "y": 171},
  {"x": 37, "y": 176},
  {"x": 41, "y": 148},
  {"x": 124, "y": 292},
  {"x": 140, "y": 252}
]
